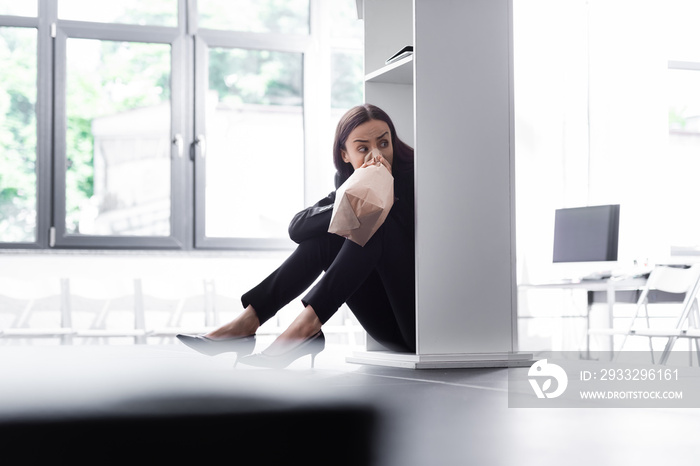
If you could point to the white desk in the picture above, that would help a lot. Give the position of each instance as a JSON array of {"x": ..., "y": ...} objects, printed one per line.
[{"x": 610, "y": 286}]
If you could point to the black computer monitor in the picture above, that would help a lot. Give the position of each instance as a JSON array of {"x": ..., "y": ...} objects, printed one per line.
[{"x": 586, "y": 234}]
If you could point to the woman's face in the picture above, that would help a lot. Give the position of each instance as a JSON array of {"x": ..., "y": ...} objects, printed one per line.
[{"x": 369, "y": 136}]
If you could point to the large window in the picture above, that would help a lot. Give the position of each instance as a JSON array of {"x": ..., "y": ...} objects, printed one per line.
[
  {"x": 169, "y": 123},
  {"x": 683, "y": 94},
  {"x": 117, "y": 138},
  {"x": 152, "y": 12},
  {"x": 281, "y": 16},
  {"x": 256, "y": 149},
  {"x": 607, "y": 107},
  {"x": 14, "y": 8},
  {"x": 18, "y": 181}
]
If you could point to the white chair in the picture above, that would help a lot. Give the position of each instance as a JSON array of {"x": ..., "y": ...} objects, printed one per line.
[
  {"x": 665, "y": 279},
  {"x": 107, "y": 307},
  {"x": 35, "y": 308},
  {"x": 175, "y": 305},
  {"x": 687, "y": 324}
]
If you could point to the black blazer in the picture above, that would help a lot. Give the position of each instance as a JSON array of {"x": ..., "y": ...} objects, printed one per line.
[{"x": 315, "y": 220}]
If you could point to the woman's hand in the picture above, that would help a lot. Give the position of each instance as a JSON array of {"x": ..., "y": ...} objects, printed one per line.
[{"x": 378, "y": 159}]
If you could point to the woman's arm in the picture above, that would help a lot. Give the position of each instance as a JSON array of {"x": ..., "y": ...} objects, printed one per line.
[{"x": 312, "y": 221}]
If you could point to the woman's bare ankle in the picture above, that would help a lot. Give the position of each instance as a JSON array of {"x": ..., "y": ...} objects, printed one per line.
[
  {"x": 247, "y": 323},
  {"x": 306, "y": 325}
]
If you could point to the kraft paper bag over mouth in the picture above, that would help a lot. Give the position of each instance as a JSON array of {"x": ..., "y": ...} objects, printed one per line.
[{"x": 363, "y": 202}]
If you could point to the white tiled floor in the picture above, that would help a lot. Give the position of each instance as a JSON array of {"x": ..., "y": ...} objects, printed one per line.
[{"x": 428, "y": 417}]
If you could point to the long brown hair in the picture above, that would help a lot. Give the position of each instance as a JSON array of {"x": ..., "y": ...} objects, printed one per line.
[{"x": 403, "y": 153}]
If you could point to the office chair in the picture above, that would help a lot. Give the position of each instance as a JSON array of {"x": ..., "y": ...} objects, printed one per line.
[{"x": 666, "y": 279}]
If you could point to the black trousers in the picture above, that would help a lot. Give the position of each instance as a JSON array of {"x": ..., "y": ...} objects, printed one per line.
[{"x": 376, "y": 281}]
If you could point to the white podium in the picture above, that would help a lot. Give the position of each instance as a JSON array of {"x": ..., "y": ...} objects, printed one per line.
[{"x": 453, "y": 100}]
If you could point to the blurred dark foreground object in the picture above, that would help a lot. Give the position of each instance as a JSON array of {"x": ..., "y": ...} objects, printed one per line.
[{"x": 207, "y": 431}]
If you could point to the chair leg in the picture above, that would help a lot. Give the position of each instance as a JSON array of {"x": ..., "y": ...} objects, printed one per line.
[
  {"x": 651, "y": 350},
  {"x": 210, "y": 310},
  {"x": 66, "y": 315},
  {"x": 667, "y": 350},
  {"x": 139, "y": 313},
  {"x": 642, "y": 302},
  {"x": 651, "y": 345},
  {"x": 646, "y": 315}
]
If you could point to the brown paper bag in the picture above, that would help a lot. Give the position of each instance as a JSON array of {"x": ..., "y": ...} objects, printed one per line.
[{"x": 362, "y": 203}]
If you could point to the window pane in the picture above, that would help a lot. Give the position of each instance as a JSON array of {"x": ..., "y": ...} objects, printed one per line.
[
  {"x": 345, "y": 22},
  {"x": 18, "y": 89},
  {"x": 118, "y": 138},
  {"x": 346, "y": 79},
  {"x": 684, "y": 102},
  {"x": 683, "y": 159},
  {"x": 151, "y": 13},
  {"x": 18, "y": 8},
  {"x": 255, "y": 154},
  {"x": 283, "y": 16}
]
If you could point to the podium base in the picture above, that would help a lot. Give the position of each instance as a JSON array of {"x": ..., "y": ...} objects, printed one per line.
[{"x": 440, "y": 361}]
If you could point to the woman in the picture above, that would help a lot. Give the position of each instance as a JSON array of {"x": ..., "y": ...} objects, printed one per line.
[{"x": 377, "y": 281}]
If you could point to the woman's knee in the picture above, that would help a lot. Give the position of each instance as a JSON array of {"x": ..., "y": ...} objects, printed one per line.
[{"x": 323, "y": 248}]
